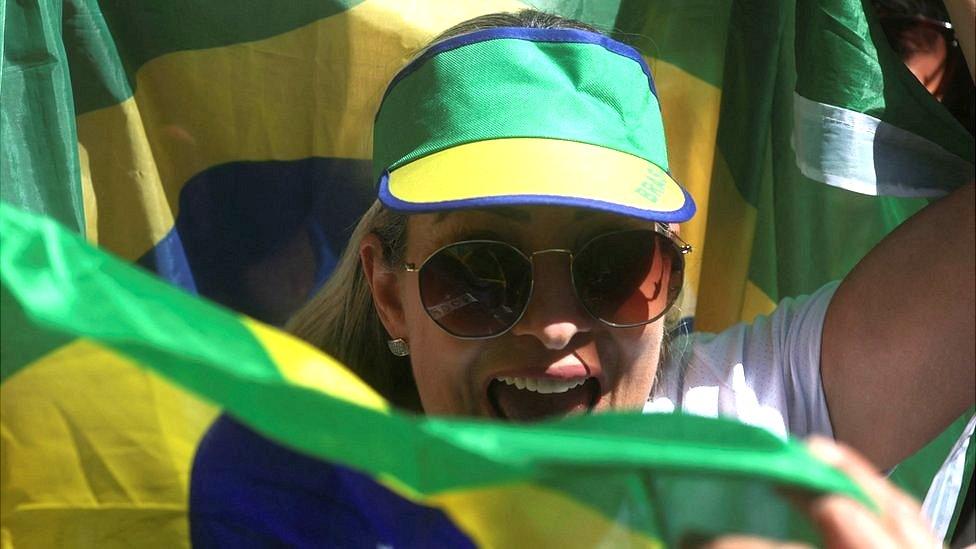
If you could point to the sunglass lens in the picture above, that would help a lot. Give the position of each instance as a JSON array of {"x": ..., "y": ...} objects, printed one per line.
[
  {"x": 475, "y": 289},
  {"x": 628, "y": 278}
]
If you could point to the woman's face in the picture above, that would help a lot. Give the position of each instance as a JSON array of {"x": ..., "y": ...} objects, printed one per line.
[{"x": 555, "y": 344}]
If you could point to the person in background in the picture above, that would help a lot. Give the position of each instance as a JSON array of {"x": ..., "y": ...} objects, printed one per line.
[{"x": 920, "y": 32}]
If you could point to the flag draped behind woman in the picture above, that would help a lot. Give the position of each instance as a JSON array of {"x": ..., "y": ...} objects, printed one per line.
[{"x": 225, "y": 147}]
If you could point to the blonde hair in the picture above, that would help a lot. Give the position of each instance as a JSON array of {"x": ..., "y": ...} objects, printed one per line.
[{"x": 341, "y": 319}]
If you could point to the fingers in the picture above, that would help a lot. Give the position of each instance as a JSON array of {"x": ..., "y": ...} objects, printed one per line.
[
  {"x": 843, "y": 522},
  {"x": 750, "y": 542},
  {"x": 846, "y": 523}
]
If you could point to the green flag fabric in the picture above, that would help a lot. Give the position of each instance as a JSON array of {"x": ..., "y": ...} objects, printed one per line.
[{"x": 658, "y": 478}]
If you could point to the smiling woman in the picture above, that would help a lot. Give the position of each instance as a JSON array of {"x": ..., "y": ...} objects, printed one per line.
[
  {"x": 515, "y": 300},
  {"x": 538, "y": 314},
  {"x": 522, "y": 256}
]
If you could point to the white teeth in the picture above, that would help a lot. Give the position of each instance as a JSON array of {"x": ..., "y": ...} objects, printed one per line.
[{"x": 542, "y": 385}]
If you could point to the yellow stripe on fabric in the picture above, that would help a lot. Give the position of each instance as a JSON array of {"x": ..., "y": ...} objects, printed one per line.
[
  {"x": 131, "y": 210},
  {"x": 553, "y": 167},
  {"x": 302, "y": 365},
  {"x": 89, "y": 203},
  {"x": 308, "y": 92},
  {"x": 729, "y": 235},
  {"x": 690, "y": 107},
  {"x": 96, "y": 452},
  {"x": 527, "y": 515},
  {"x": 755, "y": 302}
]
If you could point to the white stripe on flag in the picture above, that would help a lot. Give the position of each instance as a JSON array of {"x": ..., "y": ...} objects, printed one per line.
[
  {"x": 861, "y": 153},
  {"x": 944, "y": 492}
]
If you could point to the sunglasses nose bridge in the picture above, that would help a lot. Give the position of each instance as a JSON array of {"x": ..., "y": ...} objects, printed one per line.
[
  {"x": 547, "y": 315},
  {"x": 552, "y": 251},
  {"x": 531, "y": 257}
]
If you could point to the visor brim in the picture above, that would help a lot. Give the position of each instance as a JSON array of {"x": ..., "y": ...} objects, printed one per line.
[{"x": 536, "y": 171}]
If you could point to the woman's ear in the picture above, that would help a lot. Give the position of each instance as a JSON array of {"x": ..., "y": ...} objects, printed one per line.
[{"x": 384, "y": 285}]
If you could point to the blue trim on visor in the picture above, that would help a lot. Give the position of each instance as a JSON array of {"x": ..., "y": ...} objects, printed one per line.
[
  {"x": 573, "y": 36},
  {"x": 684, "y": 213}
]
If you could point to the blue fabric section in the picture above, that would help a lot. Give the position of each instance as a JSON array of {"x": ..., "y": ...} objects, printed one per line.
[
  {"x": 246, "y": 491},
  {"x": 574, "y": 36},
  {"x": 168, "y": 260},
  {"x": 327, "y": 256},
  {"x": 261, "y": 237},
  {"x": 684, "y": 213}
]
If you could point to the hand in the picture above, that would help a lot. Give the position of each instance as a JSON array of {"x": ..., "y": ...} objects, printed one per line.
[{"x": 845, "y": 523}]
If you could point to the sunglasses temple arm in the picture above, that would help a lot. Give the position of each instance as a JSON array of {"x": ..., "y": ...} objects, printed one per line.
[{"x": 683, "y": 246}]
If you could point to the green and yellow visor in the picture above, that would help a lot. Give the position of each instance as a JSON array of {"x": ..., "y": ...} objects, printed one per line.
[{"x": 517, "y": 116}]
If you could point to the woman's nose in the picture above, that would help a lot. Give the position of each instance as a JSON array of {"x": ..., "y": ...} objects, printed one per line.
[{"x": 554, "y": 314}]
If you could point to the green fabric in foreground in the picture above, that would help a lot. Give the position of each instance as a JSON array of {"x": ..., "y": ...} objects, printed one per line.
[{"x": 661, "y": 476}]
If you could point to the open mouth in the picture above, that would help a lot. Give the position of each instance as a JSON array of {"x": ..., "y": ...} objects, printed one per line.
[{"x": 529, "y": 399}]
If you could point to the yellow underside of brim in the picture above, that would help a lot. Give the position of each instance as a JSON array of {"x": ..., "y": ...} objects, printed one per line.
[{"x": 536, "y": 167}]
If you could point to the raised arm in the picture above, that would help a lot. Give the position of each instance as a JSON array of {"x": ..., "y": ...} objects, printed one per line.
[
  {"x": 963, "y": 15},
  {"x": 898, "y": 356}
]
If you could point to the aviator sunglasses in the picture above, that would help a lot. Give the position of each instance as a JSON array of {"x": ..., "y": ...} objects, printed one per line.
[{"x": 479, "y": 289}]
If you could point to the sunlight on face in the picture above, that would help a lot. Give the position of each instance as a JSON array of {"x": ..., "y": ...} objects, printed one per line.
[{"x": 557, "y": 359}]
